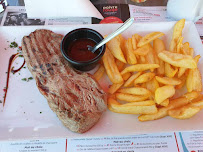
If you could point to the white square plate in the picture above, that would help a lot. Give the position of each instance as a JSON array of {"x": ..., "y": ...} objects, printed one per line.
[{"x": 21, "y": 117}]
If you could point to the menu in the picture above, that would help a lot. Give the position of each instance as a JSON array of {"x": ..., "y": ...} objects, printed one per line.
[
  {"x": 112, "y": 13},
  {"x": 158, "y": 142}
]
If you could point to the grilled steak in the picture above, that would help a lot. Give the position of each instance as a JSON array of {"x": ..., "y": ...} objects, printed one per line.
[{"x": 75, "y": 97}]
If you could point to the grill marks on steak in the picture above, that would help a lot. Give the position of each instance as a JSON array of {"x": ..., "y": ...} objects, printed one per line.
[{"x": 75, "y": 97}]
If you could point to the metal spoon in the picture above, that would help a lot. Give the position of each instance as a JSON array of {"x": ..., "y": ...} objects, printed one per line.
[{"x": 125, "y": 25}]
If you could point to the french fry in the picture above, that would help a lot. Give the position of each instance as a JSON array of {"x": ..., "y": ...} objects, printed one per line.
[
  {"x": 165, "y": 103},
  {"x": 114, "y": 87},
  {"x": 130, "y": 97},
  {"x": 178, "y": 60},
  {"x": 159, "y": 46},
  {"x": 183, "y": 80},
  {"x": 184, "y": 112},
  {"x": 130, "y": 81},
  {"x": 130, "y": 56},
  {"x": 168, "y": 81},
  {"x": 177, "y": 32},
  {"x": 163, "y": 112},
  {"x": 135, "y": 91},
  {"x": 191, "y": 53},
  {"x": 152, "y": 85},
  {"x": 170, "y": 71},
  {"x": 120, "y": 65},
  {"x": 199, "y": 98},
  {"x": 194, "y": 80},
  {"x": 114, "y": 46},
  {"x": 186, "y": 48},
  {"x": 176, "y": 103},
  {"x": 144, "y": 78},
  {"x": 134, "y": 42},
  {"x": 149, "y": 37},
  {"x": 111, "y": 68},
  {"x": 150, "y": 57},
  {"x": 122, "y": 41},
  {"x": 139, "y": 67},
  {"x": 143, "y": 107},
  {"x": 192, "y": 95},
  {"x": 136, "y": 38},
  {"x": 164, "y": 93},
  {"x": 196, "y": 58},
  {"x": 198, "y": 104},
  {"x": 126, "y": 76},
  {"x": 144, "y": 50},
  {"x": 99, "y": 73},
  {"x": 181, "y": 71},
  {"x": 142, "y": 60},
  {"x": 180, "y": 45}
]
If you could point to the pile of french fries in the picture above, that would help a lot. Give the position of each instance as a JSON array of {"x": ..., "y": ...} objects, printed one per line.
[{"x": 145, "y": 77}]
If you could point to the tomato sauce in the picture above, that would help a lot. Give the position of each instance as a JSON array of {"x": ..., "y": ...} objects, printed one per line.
[{"x": 78, "y": 50}]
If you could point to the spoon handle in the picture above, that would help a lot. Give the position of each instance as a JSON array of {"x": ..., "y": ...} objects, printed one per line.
[{"x": 125, "y": 25}]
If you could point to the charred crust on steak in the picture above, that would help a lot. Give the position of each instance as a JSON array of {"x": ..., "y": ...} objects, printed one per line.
[{"x": 76, "y": 98}]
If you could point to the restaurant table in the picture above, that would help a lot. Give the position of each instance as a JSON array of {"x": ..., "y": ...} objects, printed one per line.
[{"x": 173, "y": 139}]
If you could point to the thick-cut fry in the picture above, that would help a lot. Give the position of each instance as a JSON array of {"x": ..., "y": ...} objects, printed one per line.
[
  {"x": 149, "y": 37},
  {"x": 150, "y": 57},
  {"x": 200, "y": 97},
  {"x": 129, "y": 53},
  {"x": 130, "y": 97},
  {"x": 165, "y": 103},
  {"x": 186, "y": 48},
  {"x": 168, "y": 81},
  {"x": 143, "y": 107},
  {"x": 152, "y": 85},
  {"x": 178, "y": 60},
  {"x": 177, "y": 32},
  {"x": 162, "y": 112},
  {"x": 196, "y": 58},
  {"x": 130, "y": 81},
  {"x": 120, "y": 65},
  {"x": 142, "y": 50},
  {"x": 180, "y": 45},
  {"x": 142, "y": 60},
  {"x": 134, "y": 42},
  {"x": 194, "y": 80},
  {"x": 163, "y": 93},
  {"x": 139, "y": 67},
  {"x": 184, "y": 112},
  {"x": 137, "y": 38},
  {"x": 99, "y": 73},
  {"x": 144, "y": 78},
  {"x": 126, "y": 76},
  {"x": 114, "y": 46},
  {"x": 135, "y": 91},
  {"x": 183, "y": 80},
  {"x": 111, "y": 68},
  {"x": 198, "y": 104},
  {"x": 181, "y": 71},
  {"x": 114, "y": 87},
  {"x": 191, "y": 53},
  {"x": 191, "y": 95},
  {"x": 159, "y": 46},
  {"x": 169, "y": 71}
]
